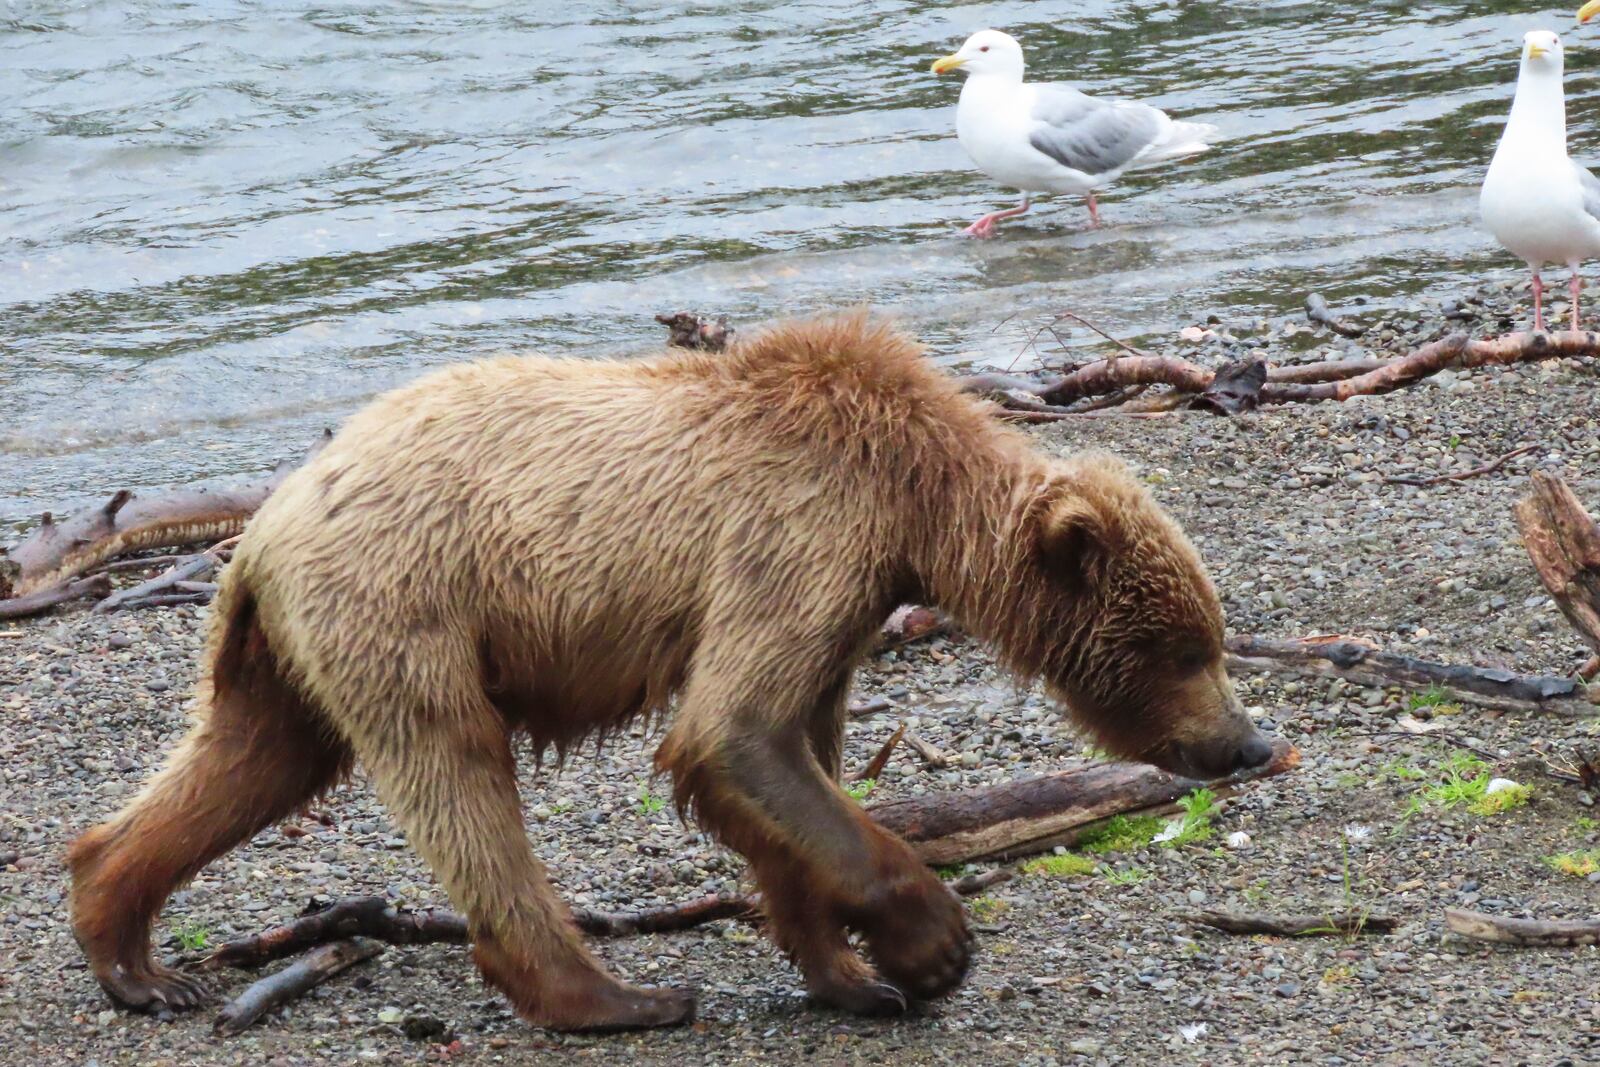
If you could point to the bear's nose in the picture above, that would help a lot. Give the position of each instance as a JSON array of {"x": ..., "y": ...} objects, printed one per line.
[{"x": 1253, "y": 753}]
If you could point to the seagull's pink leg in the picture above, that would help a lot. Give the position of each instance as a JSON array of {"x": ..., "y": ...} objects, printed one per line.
[
  {"x": 984, "y": 227},
  {"x": 1094, "y": 212},
  {"x": 1575, "y": 286},
  {"x": 1538, "y": 303}
]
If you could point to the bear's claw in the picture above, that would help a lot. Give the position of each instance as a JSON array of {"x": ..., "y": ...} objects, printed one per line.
[{"x": 151, "y": 987}]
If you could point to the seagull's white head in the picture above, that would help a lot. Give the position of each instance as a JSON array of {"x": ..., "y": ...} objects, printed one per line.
[
  {"x": 985, "y": 52},
  {"x": 1541, "y": 50}
]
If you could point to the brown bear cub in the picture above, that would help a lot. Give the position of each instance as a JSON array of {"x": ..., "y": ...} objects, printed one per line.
[{"x": 554, "y": 547}]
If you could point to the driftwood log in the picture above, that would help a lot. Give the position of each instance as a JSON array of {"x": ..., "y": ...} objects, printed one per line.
[
  {"x": 1345, "y": 921},
  {"x": 1302, "y": 383},
  {"x": 1527, "y": 933},
  {"x": 1354, "y": 660},
  {"x": 60, "y": 550},
  {"x": 1034, "y": 814},
  {"x": 1564, "y": 544}
]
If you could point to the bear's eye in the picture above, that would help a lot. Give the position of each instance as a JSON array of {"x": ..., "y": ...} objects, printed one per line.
[{"x": 1189, "y": 655}]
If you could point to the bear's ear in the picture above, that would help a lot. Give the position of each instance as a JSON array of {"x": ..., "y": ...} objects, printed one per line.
[{"x": 1071, "y": 540}]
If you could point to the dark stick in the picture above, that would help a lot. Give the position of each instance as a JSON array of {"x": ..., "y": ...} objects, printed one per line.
[
  {"x": 1254, "y": 922},
  {"x": 1487, "y": 468},
  {"x": 374, "y": 917},
  {"x": 1347, "y": 658},
  {"x": 44, "y": 599},
  {"x": 303, "y": 974},
  {"x": 193, "y": 567},
  {"x": 881, "y": 760},
  {"x": 870, "y": 707}
]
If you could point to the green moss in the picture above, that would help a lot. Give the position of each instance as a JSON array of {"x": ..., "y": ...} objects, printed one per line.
[
  {"x": 1579, "y": 864},
  {"x": 1466, "y": 784},
  {"x": 1434, "y": 699},
  {"x": 192, "y": 936},
  {"x": 1121, "y": 833},
  {"x": 862, "y": 789},
  {"x": 987, "y": 909},
  {"x": 1062, "y": 866},
  {"x": 1127, "y": 876},
  {"x": 649, "y": 803}
]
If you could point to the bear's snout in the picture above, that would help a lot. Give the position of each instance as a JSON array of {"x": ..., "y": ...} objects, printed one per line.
[
  {"x": 1215, "y": 757},
  {"x": 1256, "y": 751}
]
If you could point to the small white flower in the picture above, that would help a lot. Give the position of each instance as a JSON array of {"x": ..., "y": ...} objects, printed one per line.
[
  {"x": 1238, "y": 839},
  {"x": 1499, "y": 785},
  {"x": 1169, "y": 831},
  {"x": 1193, "y": 1032},
  {"x": 1355, "y": 834}
]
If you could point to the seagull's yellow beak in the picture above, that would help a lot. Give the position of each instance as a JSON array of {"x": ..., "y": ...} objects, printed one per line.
[
  {"x": 949, "y": 63},
  {"x": 1534, "y": 51},
  {"x": 1589, "y": 10}
]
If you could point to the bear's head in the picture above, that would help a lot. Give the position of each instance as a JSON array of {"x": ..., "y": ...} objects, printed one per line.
[{"x": 1126, "y": 627}]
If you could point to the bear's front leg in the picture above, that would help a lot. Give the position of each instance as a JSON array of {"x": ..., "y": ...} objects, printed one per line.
[{"x": 823, "y": 866}]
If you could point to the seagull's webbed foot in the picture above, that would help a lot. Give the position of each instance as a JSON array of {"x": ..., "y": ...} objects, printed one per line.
[{"x": 984, "y": 227}]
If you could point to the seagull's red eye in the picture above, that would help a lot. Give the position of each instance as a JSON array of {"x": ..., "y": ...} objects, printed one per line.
[{"x": 985, "y": 48}]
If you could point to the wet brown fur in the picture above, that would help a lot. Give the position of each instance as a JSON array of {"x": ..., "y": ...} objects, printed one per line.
[{"x": 554, "y": 547}]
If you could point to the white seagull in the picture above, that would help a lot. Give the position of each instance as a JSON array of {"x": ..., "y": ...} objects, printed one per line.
[
  {"x": 1045, "y": 137},
  {"x": 1538, "y": 203}
]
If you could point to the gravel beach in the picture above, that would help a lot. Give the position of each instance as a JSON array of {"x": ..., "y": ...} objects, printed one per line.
[{"x": 1302, "y": 535}]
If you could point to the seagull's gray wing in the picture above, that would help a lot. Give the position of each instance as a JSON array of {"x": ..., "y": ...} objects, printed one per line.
[
  {"x": 1591, "y": 189},
  {"x": 1089, "y": 135}
]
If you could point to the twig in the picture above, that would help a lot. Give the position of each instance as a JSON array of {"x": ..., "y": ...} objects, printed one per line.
[
  {"x": 870, "y": 707},
  {"x": 1080, "y": 320},
  {"x": 1440, "y": 735},
  {"x": 41, "y": 600},
  {"x": 303, "y": 974},
  {"x": 1353, "y": 921},
  {"x": 931, "y": 756},
  {"x": 1317, "y": 311},
  {"x": 973, "y": 884},
  {"x": 197, "y": 566},
  {"x": 876, "y": 765},
  {"x": 1527, "y": 933},
  {"x": 1487, "y": 468},
  {"x": 374, "y": 917}
]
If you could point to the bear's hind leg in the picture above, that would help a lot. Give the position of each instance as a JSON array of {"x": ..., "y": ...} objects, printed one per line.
[
  {"x": 452, "y": 785},
  {"x": 255, "y": 756}
]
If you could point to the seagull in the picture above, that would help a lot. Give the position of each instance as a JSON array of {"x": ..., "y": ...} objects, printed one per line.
[
  {"x": 1538, "y": 203},
  {"x": 1045, "y": 137}
]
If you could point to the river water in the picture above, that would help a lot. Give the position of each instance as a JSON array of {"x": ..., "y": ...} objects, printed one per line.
[{"x": 224, "y": 225}]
